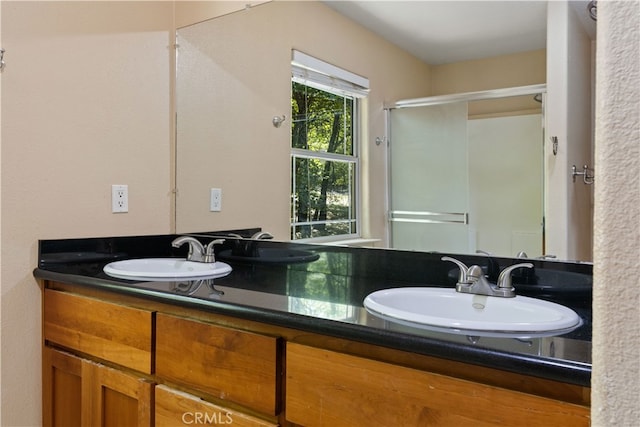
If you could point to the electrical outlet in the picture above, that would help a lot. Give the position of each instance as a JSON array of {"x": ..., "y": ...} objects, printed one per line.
[
  {"x": 119, "y": 198},
  {"x": 216, "y": 200}
]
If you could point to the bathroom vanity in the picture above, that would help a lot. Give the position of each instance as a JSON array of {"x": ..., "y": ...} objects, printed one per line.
[{"x": 290, "y": 343}]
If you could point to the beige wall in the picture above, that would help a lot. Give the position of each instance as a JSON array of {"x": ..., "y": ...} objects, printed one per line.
[
  {"x": 519, "y": 69},
  {"x": 616, "y": 300},
  {"x": 85, "y": 104}
]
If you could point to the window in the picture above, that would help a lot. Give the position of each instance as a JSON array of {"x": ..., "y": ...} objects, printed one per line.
[{"x": 324, "y": 150}]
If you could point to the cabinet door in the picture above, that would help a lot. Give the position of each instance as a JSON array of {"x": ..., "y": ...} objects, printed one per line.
[
  {"x": 118, "y": 399},
  {"x": 326, "y": 388},
  {"x": 174, "y": 408},
  {"x": 61, "y": 389},
  {"x": 113, "y": 332},
  {"x": 78, "y": 392},
  {"x": 229, "y": 364}
]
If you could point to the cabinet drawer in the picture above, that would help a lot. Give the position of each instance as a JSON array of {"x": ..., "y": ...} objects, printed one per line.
[
  {"x": 325, "y": 388},
  {"x": 113, "y": 332},
  {"x": 229, "y": 364},
  {"x": 173, "y": 408}
]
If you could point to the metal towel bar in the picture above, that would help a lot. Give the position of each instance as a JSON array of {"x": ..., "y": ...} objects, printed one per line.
[{"x": 427, "y": 217}]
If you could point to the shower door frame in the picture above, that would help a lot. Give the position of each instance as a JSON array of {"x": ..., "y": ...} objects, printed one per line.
[{"x": 448, "y": 99}]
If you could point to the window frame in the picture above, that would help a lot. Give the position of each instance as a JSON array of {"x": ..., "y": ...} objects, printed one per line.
[{"x": 319, "y": 75}]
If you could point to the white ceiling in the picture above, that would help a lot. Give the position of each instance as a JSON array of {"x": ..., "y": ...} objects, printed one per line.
[{"x": 445, "y": 31}]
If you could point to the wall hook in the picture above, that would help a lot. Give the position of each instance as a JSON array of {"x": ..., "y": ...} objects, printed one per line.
[
  {"x": 592, "y": 8},
  {"x": 587, "y": 174},
  {"x": 554, "y": 144},
  {"x": 278, "y": 120},
  {"x": 2, "y": 64}
]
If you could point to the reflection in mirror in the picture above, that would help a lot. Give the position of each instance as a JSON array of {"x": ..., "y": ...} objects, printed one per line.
[
  {"x": 231, "y": 82},
  {"x": 234, "y": 77},
  {"x": 468, "y": 176}
]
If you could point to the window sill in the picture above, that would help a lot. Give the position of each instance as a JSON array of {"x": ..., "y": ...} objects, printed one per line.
[{"x": 354, "y": 242}]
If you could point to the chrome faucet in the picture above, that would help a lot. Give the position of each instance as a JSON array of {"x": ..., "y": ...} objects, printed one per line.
[
  {"x": 473, "y": 281},
  {"x": 197, "y": 252}
]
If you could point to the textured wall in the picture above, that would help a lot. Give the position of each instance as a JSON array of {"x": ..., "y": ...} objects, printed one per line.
[
  {"x": 616, "y": 329},
  {"x": 85, "y": 104}
]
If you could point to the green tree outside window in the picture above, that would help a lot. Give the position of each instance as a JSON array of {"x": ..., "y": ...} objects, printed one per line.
[{"x": 323, "y": 164}]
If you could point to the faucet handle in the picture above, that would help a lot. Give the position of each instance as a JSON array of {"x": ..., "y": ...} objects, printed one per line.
[
  {"x": 504, "y": 279},
  {"x": 464, "y": 270},
  {"x": 209, "y": 255}
]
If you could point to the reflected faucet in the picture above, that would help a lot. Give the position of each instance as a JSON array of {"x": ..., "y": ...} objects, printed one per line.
[
  {"x": 473, "y": 281},
  {"x": 262, "y": 235},
  {"x": 247, "y": 247}
]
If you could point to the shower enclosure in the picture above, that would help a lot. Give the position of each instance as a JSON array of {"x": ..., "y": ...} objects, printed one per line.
[{"x": 466, "y": 172}]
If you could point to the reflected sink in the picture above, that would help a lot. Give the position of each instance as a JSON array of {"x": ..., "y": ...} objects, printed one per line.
[
  {"x": 445, "y": 310},
  {"x": 272, "y": 256},
  {"x": 165, "y": 269}
]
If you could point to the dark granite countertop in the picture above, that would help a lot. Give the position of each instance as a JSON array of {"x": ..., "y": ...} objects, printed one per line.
[{"x": 325, "y": 293}]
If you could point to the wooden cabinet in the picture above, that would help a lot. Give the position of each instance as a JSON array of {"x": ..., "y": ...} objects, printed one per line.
[
  {"x": 79, "y": 392},
  {"x": 113, "y": 332},
  {"x": 113, "y": 360},
  {"x": 174, "y": 408},
  {"x": 230, "y": 364},
  {"x": 143, "y": 348},
  {"x": 328, "y": 388}
]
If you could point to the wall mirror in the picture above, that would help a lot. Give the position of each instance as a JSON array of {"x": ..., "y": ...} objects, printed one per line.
[{"x": 231, "y": 83}]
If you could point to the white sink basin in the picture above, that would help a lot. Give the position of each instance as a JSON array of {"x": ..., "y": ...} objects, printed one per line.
[
  {"x": 444, "y": 309},
  {"x": 165, "y": 269}
]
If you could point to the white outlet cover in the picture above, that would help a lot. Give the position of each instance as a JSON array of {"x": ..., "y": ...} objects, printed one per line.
[
  {"x": 216, "y": 200},
  {"x": 119, "y": 198}
]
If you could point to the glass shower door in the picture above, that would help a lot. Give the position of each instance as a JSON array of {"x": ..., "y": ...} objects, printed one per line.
[{"x": 428, "y": 173}]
